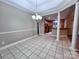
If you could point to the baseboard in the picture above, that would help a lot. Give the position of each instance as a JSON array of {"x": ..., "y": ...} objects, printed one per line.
[
  {"x": 7, "y": 46},
  {"x": 73, "y": 51}
]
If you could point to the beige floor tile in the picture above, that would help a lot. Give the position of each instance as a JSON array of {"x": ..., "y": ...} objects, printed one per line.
[{"x": 42, "y": 47}]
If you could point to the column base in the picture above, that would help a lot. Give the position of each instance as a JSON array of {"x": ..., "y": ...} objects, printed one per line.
[
  {"x": 57, "y": 39},
  {"x": 73, "y": 51},
  {"x": 71, "y": 48}
]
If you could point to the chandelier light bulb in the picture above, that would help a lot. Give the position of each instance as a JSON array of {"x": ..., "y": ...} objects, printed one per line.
[
  {"x": 40, "y": 17},
  {"x": 36, "y": 17},
  {"x": 33, "y": 17}
]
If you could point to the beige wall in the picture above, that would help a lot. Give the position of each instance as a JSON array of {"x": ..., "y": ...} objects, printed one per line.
[{"x": 13, "y": 19}]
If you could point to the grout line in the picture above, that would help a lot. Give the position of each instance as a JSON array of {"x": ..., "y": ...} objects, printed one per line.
[
  {"x": 25, "y": 48},
  {"x": 48, "y": 51},
  {"x": 39, "y": 53},
  {"x": 22, "y": 52},
  {"x": 55, "y": 51},
  {"x": 43, "y": 48},
  {"x": 12, "y": 54},
  {"x": 33, "y": 51}
]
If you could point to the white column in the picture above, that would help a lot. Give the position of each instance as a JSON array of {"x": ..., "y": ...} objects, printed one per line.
[
  {"x": 75, "y": 27},
  {"x": 58, "y": 27}
]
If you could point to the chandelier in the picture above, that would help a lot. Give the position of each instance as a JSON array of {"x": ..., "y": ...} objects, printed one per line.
[{"x": 36, "y": 16}]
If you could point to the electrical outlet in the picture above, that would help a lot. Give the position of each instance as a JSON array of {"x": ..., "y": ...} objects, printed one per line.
[{"x": 2, "y": 42}]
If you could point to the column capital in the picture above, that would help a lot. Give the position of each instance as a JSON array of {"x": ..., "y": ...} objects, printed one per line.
[
  {"x": 77, "y": 3},
  {"x": 58, "y": 12}
]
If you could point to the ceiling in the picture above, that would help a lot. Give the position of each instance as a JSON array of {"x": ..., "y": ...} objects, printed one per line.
[{"x": 44, "y": 7}]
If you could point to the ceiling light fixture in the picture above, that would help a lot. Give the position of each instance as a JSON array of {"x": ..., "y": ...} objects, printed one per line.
[{"x": 36, "y": 16}]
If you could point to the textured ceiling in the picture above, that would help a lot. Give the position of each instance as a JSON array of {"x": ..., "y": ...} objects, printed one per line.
[
  {"x": 44, "y": 7},
  {"x": 41, "y": 5}
]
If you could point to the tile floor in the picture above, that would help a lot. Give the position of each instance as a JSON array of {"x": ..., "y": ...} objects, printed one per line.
[{"x": 42, "y": 47}]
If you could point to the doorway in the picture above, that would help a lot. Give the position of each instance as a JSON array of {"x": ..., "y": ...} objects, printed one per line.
[{"x": 48, "y": 24}]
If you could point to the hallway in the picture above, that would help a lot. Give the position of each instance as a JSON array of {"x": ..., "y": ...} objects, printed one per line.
[{"x": 42, "y": 47}]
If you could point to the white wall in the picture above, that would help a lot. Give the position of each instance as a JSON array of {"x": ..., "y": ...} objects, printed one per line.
[{"x": 13, "y": 19}]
